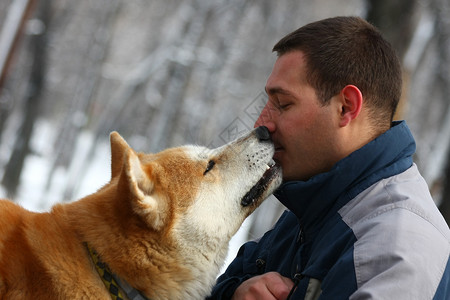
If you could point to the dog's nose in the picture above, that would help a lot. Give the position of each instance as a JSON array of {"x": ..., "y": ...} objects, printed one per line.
[{"x": 262, "y": 133}]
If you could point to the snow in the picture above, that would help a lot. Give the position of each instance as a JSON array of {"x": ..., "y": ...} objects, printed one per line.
[{"x": 38, "y": 192}]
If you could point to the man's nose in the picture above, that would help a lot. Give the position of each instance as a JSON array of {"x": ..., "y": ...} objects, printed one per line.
[{"x": 266, "y": 119}]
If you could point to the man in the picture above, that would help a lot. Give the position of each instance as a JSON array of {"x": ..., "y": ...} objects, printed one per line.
[{"x": 361, "y": 222}]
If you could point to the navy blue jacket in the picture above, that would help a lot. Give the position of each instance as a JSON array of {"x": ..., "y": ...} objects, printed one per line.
[{"x": 367, "y": 229}]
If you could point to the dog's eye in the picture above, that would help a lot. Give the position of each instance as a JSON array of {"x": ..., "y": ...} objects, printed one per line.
[{"x": 210, "y": 165}]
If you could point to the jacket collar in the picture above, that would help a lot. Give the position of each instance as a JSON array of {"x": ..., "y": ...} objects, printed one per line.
[{"x": 387, "y": 155}]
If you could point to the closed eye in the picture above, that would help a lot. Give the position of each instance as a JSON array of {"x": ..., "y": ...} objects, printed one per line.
[
  {"x": 209, "y": 167},
  {"x": 284, "y": 106}
]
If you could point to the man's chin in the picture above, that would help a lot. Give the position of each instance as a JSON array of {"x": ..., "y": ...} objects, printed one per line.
[
  {"x": 290, "y": 173},
  {"x": 278, "y": 157}
]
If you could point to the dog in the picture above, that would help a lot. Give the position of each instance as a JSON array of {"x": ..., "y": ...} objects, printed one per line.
[{"x": 158, "y": 230}]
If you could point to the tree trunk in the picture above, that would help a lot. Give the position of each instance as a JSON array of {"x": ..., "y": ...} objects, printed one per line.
[{"x": 38, "y": 42}]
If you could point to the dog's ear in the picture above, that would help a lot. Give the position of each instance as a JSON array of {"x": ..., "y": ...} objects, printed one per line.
[
  {"x": 146, "y": 202},
  {"x": 118, "y": 149}
]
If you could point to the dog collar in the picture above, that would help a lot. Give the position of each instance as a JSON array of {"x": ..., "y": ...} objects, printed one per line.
[{"x": 116, "y": 287}]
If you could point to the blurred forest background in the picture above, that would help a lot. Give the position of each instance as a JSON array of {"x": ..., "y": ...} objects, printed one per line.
[{"x": 166, "y": 73}]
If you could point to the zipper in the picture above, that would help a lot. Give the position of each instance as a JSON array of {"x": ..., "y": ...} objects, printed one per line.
[
  {"x": 300, "y": 237},
  {"x": 297, "y": 278}
]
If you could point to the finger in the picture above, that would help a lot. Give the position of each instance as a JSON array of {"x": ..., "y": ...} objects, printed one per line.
[{"x": 279, "y": 286}]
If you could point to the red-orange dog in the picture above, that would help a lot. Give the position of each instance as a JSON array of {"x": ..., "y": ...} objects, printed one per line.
[{"x": 158, "y": 230}]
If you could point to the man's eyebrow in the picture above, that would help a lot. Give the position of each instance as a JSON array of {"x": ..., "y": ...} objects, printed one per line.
[{"x": 276, "y": 90}]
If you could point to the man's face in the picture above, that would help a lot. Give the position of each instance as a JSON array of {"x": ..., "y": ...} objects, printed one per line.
[{"x": 303, "y": 130}]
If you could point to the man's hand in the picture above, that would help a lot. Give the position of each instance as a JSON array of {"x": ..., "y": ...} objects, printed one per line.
[{"x": 264, "y": 287}]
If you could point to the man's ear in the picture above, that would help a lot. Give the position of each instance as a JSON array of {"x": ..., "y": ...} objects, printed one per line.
[
  {"x": 351, "y": 104},
  {"x": 118, "y": 150},
  {"x": 145, "y": 201}
]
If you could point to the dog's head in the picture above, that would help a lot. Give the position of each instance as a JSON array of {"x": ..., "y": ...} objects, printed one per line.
[{"x": 199, "y": 192}]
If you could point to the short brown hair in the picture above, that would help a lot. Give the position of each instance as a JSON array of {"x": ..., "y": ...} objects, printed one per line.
[{"x": 348, "y": 50}]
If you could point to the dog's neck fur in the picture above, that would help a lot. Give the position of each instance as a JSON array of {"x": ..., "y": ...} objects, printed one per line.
[
  {"x": 118, "y": 288},
  {"x": 140, "y": 267}
]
